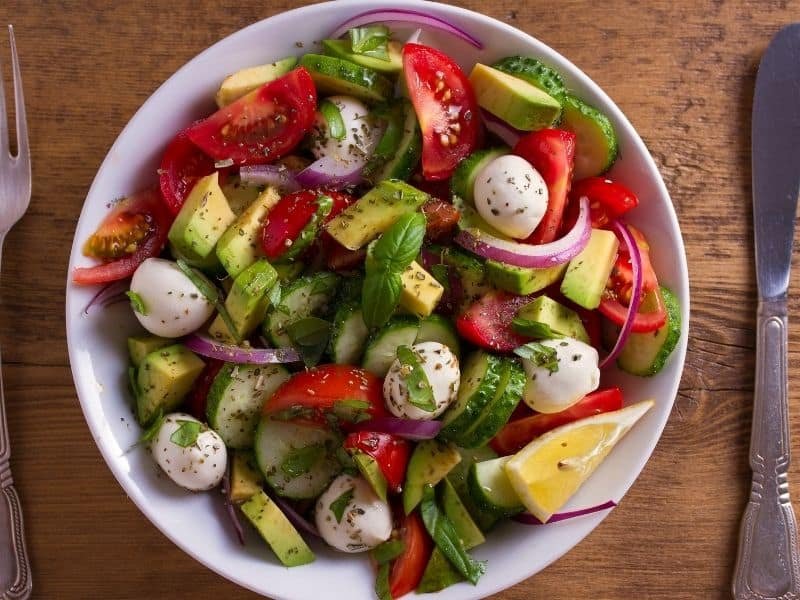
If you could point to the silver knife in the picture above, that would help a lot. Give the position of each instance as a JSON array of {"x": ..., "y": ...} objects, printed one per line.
[{"x": 768, "y": 564}]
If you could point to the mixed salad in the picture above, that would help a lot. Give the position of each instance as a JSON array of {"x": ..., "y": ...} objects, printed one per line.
[{"x": 380, "y": 294}]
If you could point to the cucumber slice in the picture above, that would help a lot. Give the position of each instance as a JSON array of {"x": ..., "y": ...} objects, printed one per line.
[
  {"x": 342, "y": 49},
  {"x": 479, "y": 384},
  {"x": 534, "y": 72},
  {"x": 349, "y": 335},
  {"x": 436, "y": 328},
  {"x": 596, "y": 144},
  {"x": 306, "y": 296},
  {"x": 645, "y": 354},
  {"x": 382, "y": 348},
  {"x": 337, "y": 76},
  {"x": 236, "y": 397},
  {"x": 491, "y": 490},
  {"x": 274, "y": 443},
  {"x": 400, "y": 147},
  {"x": 458, "y": 477},
  {"x": 462, "y": 183}
]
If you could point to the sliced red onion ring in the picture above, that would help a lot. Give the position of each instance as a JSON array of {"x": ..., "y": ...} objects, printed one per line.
[
  {"x": 275, "y": 175},
  {"x": 330, "y": 173},
  {"x": 298, "y": 520},
  {"x": 109, "y": 294},
  {"x": 237, "y": 354},
  {"x": 501, "y": 129},
  {"x": 229, "y": 507},
  {"x": 529, "y": 519},
  {"x": 409, "y": 429},
  {"x": 412, "y": 17},
  {"x": 526, "y": 255},
  {"x": 636, "y": 292}
]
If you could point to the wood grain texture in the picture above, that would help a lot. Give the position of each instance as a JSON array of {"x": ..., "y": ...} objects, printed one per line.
[{"x": 682, "y": 71}]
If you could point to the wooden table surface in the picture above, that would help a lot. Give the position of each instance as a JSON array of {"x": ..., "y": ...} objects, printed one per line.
[{"x": 683, "y": 72}]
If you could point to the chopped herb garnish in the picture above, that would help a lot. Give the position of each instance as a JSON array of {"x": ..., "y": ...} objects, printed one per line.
[
  {"x": 293, "y": 412},
  {"x": 372, "y": 41},
  {"x": 211, "y": 293},
  {"x": 337, "y": 506},
  {"x": 152, "y": 430},
  {"x": 186, "y": 435},
  {"x": 388, "y": 551},
  {"x": 540, "y": 355},
  {"x": 301, "y": 460},
  {"x": 137, "y": 303},
  {"x": 310, "y": 336},
  {"x": 352, "y": 410},
  {"x": 333, "y": 117},
  {"x": 534, "y": 329},
  {"x": 420, "y": 393}
]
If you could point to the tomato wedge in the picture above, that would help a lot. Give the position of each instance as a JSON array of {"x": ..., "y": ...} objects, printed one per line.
[
  {"x": 515, "y": 435},
  {"x": 446, "y": 108},
  {"x": 552, "y": 153},
  {"x": 390, "y": 452},
  {"x": 607, "y": 199},
  {"x": 182, "y": 165},
  {"x": 149, "y": 221},
  {"x": 198, "y": 398},
  {"x": 651, "y": 316},
  {"x": 442, "y": 218},
  {"x": 262, "y": 126},
  {"x": 487, "y": 322},
  {"x": 407, "y": 569}
]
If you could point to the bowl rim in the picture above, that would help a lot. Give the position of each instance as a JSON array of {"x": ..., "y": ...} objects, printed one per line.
[{"x": 354, "y": 6}]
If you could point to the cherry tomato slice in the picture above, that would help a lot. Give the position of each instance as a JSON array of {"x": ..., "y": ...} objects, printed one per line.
[
  {"x": 408, "y": 568},
  {"x": 651, "y": 316},
  {"x": 390, "y": 452},
  {"x": 446, "y": 108},
  {"x": 182, "y": 165},
  {"x": 552, "y": 153},
  {"x": 515, "y": 435},
  {"x": 262, "y": 126},
  {"x": 339, "y": 258},
  {"x": 487, "y": 322},
  {"x": 607, "y": 199},
  {"x": 149, "y": 205}
]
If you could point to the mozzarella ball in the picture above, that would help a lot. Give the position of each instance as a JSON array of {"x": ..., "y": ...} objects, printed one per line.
[
  {"x": 197, "y": 467},
  {"x": 441, "y": 368},
  {"x": 365, "y": 521},
  {"x": 511, "y": 196},
  {"x": 361, "y": 134},
  {"x": 173, "y": 305},
  {"x": 577, "y": 375}
]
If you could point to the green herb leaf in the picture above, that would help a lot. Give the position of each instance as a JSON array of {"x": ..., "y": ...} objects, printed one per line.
[
  {"x": 293, "y": 412},
  {"x": 399, "y": 245},
  {"x": 310, "y": 336},
  {"x": 352, "y": 410},
  {"x": 420, "y": 393},
  {"x": 380, "y": 296},
  {"x": 540, "y": 355},
  {"x": 333, "y": 117},
  {"x": 340, "y": 504},
  {"x": 534, "y": 329},
  {"x": 344, "y": 458},
  {"x": 311, "y": 229},
  {"x": 152, "y": 430},
  {"x": 371, "y": 40},
  {"x": 301, "y": 460},
  {"x": 211, "y": 293},
  {"x": 446, "y": 538},
  {"x": 186, "y": 435},
  {"x": 137, "y": 303},
  {"x": 382, "y": 588},
  {"x": 441, "y": 273},
  {"x": 388, "y": 551}
]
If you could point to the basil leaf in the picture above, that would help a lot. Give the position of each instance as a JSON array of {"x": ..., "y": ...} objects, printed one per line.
[
  {"x": 186, "y": 435},
  {"x": 301, "y": 460},
  {"x": 309, "y": 232},
  {"x": 399, "y": 245},
  {"x": 380, "y": 296},
  {"x": 446, "y": 539},
  {"x": 293, "y": 412},
  {"x": 151, "y": 432},
  {"x": 137, "y": 303},
  {"x": 352, "y": 410},
  {"x": 310, "y": 336},
  {"x": 388, "y": 551},
  {"x": 371, "y": 41},
  {"x": 441, "y": 273},
  {"x": 534, "y": 329},
  {"x": 420, "y": 393},
  {"x": 211, "y": 293},
  {"x": 337, "y": 506},
  {"x": 382, "y": 588},
  {"x": 348, "y": 465},
  {"x": 540, "y": 355},
  {"x": 333, "y": 117}
]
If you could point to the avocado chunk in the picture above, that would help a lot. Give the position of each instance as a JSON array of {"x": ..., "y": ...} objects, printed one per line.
[
  {"x": 288, "y": 272},
  {"x": 203, "y": 218},
  {"x": 369, "y": 468},
  {"x": 287, "y": 544},
  {"x": 421, "y": 292},
  {"x": 588, "y": 272},
  {"x": 245, "y": 81},
  {"x": 517, "y": 102},
  {"x": 247, "y": 302},
  {"x": 522, "y": 280},
  {"x": 556, "y": 316},
  {"x": 141, "y": 346},
  {"x": 334, "y": 75},
  {"x": 430, "y": 462},
  {"x": 375, "y": 212},
  {"x": 240, "y": 245},
  {"x": 246, "y": 479},
  {"x": 470, "y": 272},
  {"x": 343, "y": 49},
  {"x": 239, "y": 194},
  {"x": 163, "y": 379}
]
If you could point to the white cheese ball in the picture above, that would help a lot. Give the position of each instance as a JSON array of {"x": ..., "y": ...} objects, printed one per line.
[
  {"x": 577, "y": 375},
  {"x": 511, "y": 196},
  {"x": 174, "y": 306},
  {"x": 366, "y": 520},
  {"x": 441, "y": 368},
  {"x": 197, "y": 467},
  {"x": 361, "y": 134}
]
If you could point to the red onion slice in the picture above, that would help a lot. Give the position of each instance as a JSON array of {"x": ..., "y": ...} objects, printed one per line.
[
  {"x": 526, "y": 255},
  {"x": 412, "y": 17},
  {"x": 296, "y": 519},
  {"x": 109, "y": 294},
  {"x": 237, "y": 354},
  {"x": 330, "y": 173},
  {"x": 529, "y": 519},
  {"x": 230, "y": 509},
  {"x": 501, "y": 129},
  {"x": 636, "y": 293},
  {"x": 409, "y": 429},
  {"x": 275, "y": 175}
]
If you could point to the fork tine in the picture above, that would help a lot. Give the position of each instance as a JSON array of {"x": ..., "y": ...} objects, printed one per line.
[
  {"x": 23, "y": 152},
  {"x": 3, "y": 119}
]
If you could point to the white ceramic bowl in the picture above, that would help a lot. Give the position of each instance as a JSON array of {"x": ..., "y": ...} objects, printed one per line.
[{"x": 97, "y": 347}]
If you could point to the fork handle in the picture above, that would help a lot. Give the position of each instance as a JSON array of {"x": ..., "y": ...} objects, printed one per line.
[{"x": 15, "y": 568}]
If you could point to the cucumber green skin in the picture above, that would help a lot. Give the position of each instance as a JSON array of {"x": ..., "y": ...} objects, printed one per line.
[
  {"x": 488, "y": 369},
  {"x": 334, "y": 75},
  {"x": 322, "y": 284},
  {"x": 645, "y": 354},
  {"x": 534, "y": 72},
  {"x": 430, "y": 462},
  {"x": 462, "y": 183},
  {"x": 436, "y": 328},
  {"x": 375, "y": 360},
  {"x": 341, "y": 49},
  {"x": 405, "y": 155},
  {"x": 458, "y": 477},
  {"x": 483, "y": 502},
  {"x": 343, "y": 325},
  {"x": 577, "y": 114}
]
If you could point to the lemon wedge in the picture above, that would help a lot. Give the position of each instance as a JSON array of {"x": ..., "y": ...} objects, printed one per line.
[{"x": 549, "y": 470}]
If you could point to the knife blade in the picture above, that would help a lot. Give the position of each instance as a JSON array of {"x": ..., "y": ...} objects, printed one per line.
[{"x": 768, "y": 561}]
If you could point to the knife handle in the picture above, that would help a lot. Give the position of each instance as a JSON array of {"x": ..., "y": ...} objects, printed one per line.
[
  {"x": 768, "y": 563},
  {"x": 15, "y": 568}
]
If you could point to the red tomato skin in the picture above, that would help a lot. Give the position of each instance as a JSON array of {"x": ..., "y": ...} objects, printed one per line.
[
  {"x": 408, "y": 568},
  {"x": 515, "y": 435},
  {"x": 182, "y": 165},
  {"x": 286, "y": 107},
  {"x": 442, "y": 219},
  {"x": 613, "y": 310},
  {"x": 389, "y": 451},
  {"x": 198, "y": 398},
  {"x": 552, "y": 153},
  {"x": 435, "y": 83},
  {"x": 148, "y": 202},
  {"x": 487, "y": 322}
]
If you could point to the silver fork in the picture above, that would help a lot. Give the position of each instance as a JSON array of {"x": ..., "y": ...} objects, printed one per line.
[{"x": 15, "y": 195}]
